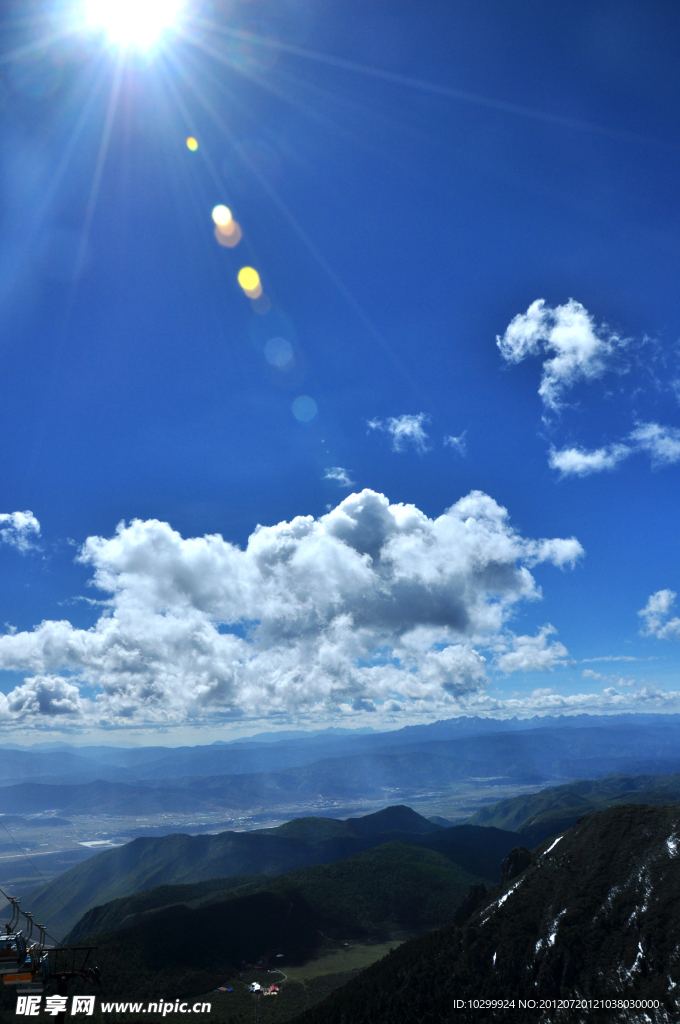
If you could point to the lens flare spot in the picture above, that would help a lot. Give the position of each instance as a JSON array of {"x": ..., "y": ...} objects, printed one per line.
[
  {"x": 304, "y": 409},
  {"x": 229, "y": 236},
  {"x": 222, "y": 216},
  {"x": 192, "y": 144},
  {"x": 249, "y": 279},
  {"x": 278, "y": 352}
]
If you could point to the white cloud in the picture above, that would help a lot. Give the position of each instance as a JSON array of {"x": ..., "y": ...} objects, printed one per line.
[
  {"x": 533, "y": 653},
  {"x": 612, "y": 657},
  {"x": 577, "y": 348},
  {"x": 370, "y": 603},
  {"x": 661, "y": 443},
  {"x": 459, "y": 444},
  {"x": 655, "y": 616},
  {"x": 560, "y": 551},
  {"x": 617, "y": 680},
  {"x": 19, "y": 529},
  {"x": 340, "y": 475},
  {"x": 407, "y": 429},
  {"x": 541, "y": 702},
  {"x": 48, "y": 696},
  {"x": 579, "y": 462}
]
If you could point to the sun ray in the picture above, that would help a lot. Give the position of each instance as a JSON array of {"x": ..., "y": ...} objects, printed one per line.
[
  {"x": 312, "y": 112},
  {"x": 434, "y": 88},
  {"x": 36, "y": 46},
  {"x": 101, "y": 160}
]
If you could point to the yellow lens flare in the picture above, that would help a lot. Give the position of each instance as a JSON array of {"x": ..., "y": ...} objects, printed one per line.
[
  {"x": 249, "y": 279},
  {"x": 192, "y": 144}
]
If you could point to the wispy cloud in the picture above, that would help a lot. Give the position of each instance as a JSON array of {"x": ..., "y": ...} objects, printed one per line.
[
  {"x": 340, "y": 475},
  {"x": 404, "y": 430},
  {"x": 459, "y": 444},
  {"x": 661, "y": 443},
  {"x": 615, "y": 680},
  {"x": 576, "y": 347},
  {"x": 581, "y": 462},
  {"x": 656, "y": 619},
  {"x": 19, "y": 529},
  {"x": 613, "y": 657}
]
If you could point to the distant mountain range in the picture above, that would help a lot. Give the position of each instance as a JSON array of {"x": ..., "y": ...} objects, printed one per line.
[
  {"x": 655, "y": 737},
  {"x": 399, "y": 766},
  {"x": 149, "y": 862},
  {"x": 592, "y": 917}
]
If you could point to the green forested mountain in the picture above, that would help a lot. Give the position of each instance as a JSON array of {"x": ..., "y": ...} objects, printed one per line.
[
  {"x": 149, "y": 862},
  {"x": 540, "y": 815},
  {"x": 179, "y": 939},
  {"x": 396, "y": 885},
  {"x": 593, "y": 916}
]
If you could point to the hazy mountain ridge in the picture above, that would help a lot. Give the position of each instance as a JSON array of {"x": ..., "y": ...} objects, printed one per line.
[
  {"x": 149, "y": 862},
  {"x": 528, "y": 757},
  {"x": 71, "y": 765},
  {"x": 594, "y": 915},
  {"x": 540, "y": 815}
]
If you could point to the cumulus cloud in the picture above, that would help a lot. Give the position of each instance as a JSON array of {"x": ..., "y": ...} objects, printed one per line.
[
  {"x": 533, "y": 653},
  {"x": 19, "y": 529},
  {"x": 370, "y": 603},
  {"x": 588, "y": 673},
  {"x": 656, "y": 616},
  {"x": 576, "y": 348},
  {"x": 459, "y": 444},
  {"x": 661, "y": 443},
  {"x": 404, "y": 430},
  {"x": 340, "y": 475}
]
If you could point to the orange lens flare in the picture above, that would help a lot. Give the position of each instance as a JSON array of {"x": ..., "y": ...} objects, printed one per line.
[{"x": 232, "y": 238}]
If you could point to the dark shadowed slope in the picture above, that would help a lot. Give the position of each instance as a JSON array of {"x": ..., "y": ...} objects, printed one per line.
[
  {"x": 540, "y": 815},
  {"x": 148, "y": 862},
  {"x": 594, "y": 915},
  {"x": 392, "y": 819},
  {"x": 394, "y": 886}
]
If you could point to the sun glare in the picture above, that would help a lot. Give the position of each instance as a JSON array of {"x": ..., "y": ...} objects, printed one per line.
[{"x": 138, "y": 23}]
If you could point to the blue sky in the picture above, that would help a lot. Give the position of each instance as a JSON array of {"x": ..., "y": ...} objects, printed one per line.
[{"x": 409, "y": 180}]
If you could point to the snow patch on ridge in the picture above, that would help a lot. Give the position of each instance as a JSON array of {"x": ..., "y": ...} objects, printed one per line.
[
  {"x": 552, "y": 846},
  {"x": 553, "y": 927},
  {"x": 501, "y": 901}
]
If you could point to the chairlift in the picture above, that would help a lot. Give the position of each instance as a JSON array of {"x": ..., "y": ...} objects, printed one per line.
[
  {"x": 13, "y": 952},
  {"x": 26, "y": 962}
]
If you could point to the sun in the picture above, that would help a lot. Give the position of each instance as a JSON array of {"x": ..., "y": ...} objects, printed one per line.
[{"x": 133, "y": 23}]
